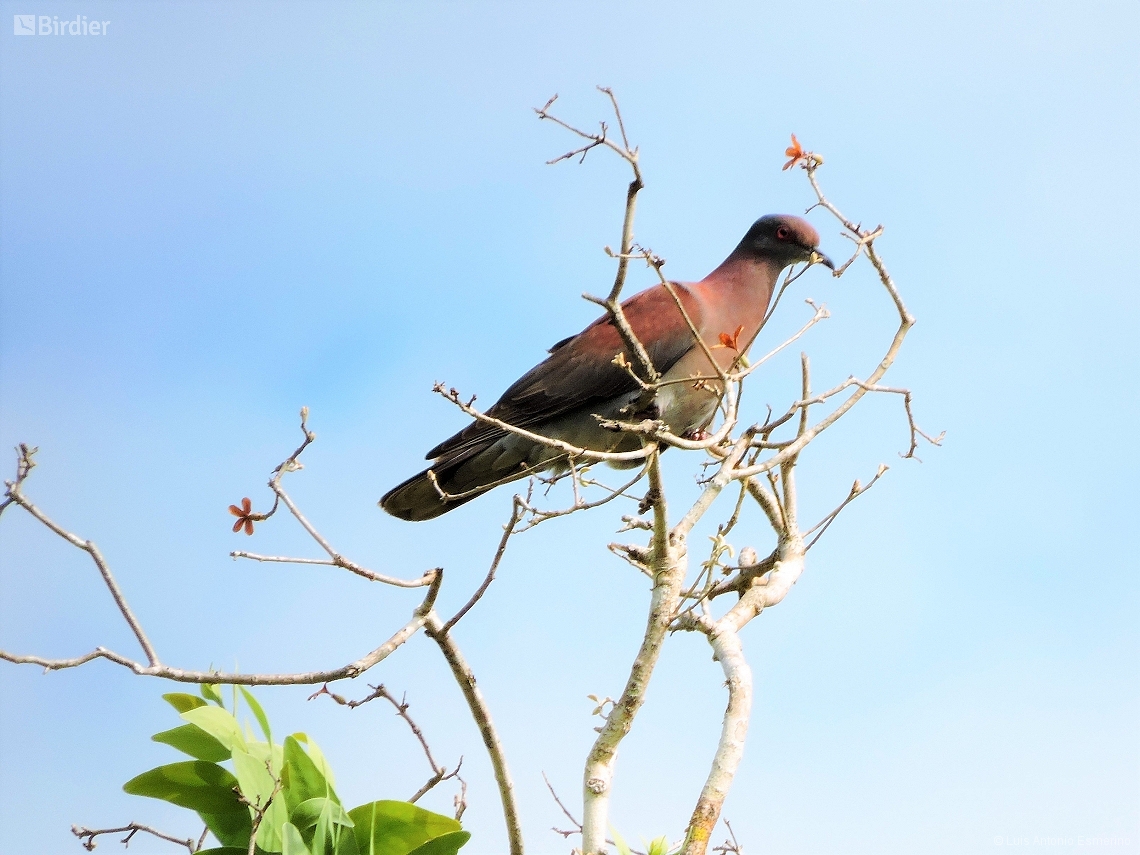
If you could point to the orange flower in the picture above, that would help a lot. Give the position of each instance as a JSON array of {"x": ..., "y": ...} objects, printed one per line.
[
  {"x": 244, "y": 515},
  {"x": 731, "y": 341},
  {"x": 795, "y": 152}
]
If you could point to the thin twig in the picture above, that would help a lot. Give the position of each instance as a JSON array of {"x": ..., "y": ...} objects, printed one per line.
[
  {"x": 132, "y": 829},
  {"x": 565, "y": 811},
  {"x": 657, "y": 263},
  {"x": 540, "y": 515},
  {"x": 259, "y": 810},
  {"x": 857, "y": 490},
  {"x": 730, "y": 847},
  {"x": 438, "y": 773},
  {"x": 612, "y": 303},
  {"x": 292, "y": 464},
  {"x": 452, "y": 395},
  {"x": 370, "y": 575},
  {"x": 25, "y": 463},
  {"x": 508, "y": 530},
  {"x": 745, "y": 577},
  {"x": 460, "y": 799}
]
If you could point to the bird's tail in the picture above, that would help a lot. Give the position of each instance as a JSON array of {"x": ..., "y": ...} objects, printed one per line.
[
  {"x": 418, "y": 498},
  {"x": 465, "y": 473}
]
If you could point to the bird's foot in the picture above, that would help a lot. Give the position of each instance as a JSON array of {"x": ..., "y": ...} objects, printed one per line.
[{"x": 652, "y": 497}]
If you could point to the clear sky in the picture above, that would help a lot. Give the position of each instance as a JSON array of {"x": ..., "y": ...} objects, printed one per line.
[{"x": 215, "y": 213}]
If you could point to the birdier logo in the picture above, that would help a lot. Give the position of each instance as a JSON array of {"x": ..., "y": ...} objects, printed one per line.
[{"x": 51, "y": 25}]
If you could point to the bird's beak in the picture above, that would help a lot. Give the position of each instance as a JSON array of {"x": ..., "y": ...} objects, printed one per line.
[{"x": 817, "y": 257}]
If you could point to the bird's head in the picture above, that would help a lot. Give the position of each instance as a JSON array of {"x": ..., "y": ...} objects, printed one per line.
[{"x": 786, "y": 239}]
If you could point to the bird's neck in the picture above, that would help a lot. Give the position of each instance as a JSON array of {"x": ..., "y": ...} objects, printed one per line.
[
  {"x": 739, "y": 292},
  {"x": 743, "y": 270}
]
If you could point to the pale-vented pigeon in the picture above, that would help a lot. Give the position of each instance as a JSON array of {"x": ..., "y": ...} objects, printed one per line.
[{"x": 564, "y": 395}]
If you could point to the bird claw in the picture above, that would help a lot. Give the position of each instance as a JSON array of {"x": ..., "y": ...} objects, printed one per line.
[{"x": 652, "y": 497}]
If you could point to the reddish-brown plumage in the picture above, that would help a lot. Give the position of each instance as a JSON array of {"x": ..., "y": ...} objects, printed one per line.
[{"x": 560, "y": 396}]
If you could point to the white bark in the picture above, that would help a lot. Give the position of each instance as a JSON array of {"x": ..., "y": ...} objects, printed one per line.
[
  {"x": 766, "y": 590},
  {"x": 669, "y": 564},
  {"x": 772, "y": 587},
  {"x": 733, "y": 732}
]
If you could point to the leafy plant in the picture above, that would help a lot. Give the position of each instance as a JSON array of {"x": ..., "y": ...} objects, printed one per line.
[
  {"x": 280, "y": 796},
  {"x": 656, "y": 846}
]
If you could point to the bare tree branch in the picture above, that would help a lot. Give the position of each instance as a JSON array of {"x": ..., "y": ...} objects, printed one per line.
[
  {"x": 434, "y": 628},
  {"x": 761, "y": 460},
  {"x": 132, "y": 829},
  {"x": 612, "y": 302},
  {"x": 857, "y": 490},
  {"x": 14, "y": 495},
  {"x": 727, "y": 650},
  {"x": 540, "y": 515},
  {"x": 439, "y": 773},
  {"x": 668, "y": 565},
  {"x": 293, "y": 464},
  {"x": 153, "y": 666},
  {"x": 424, "y": 615},
  {"x": 574, "y": 451},
  {"x": 762, "y": 584},
  {"x": 182, "y": 675}
]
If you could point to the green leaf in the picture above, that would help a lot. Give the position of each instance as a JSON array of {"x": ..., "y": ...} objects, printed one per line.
[
  {"x": 182, "y": 701},
  {"x": 318, "y": 757},
  {"x": 193, "y": 784},
  {"x": 257, "y": 786},
  {"x": 323, "y": 823},
  {"x": 619, "y": 842},
  {"x": 254, "y": 778},
  {"x": 269, "y": 832},
  {"x": 258, "y": 713},
  {"x": 231, "y": 830},
  {"x": 291, "y": 841},
  {"x": 346, "y": 843},
  {"x": 302, "y": 778},
  {"x": 210, "y": 692},
  {"x": 224, "y": 850},
  {"x": 445, "y": 844},
  {"x": 658, "y": 846},
  {"x": 203, "y": 787},
  {"x": 263, "y": 752},
  {"x": 308, "y": 812},
  {"x": 219, "y": 724},
  {"x": 396, "y": 828},
  {"x": 191, "y": 739}
]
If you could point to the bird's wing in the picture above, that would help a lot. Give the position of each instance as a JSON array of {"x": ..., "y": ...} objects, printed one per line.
[{"x": 580, "y": 369}]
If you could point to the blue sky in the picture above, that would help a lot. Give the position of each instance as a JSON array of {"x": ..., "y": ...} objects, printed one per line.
[{"x": 216, "y": 213}]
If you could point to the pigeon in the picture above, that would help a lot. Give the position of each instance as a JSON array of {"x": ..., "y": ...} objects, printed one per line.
[{"x": 586, "y": 381}]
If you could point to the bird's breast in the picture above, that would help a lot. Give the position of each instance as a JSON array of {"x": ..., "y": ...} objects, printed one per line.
[{"x": 688, "y": 398}]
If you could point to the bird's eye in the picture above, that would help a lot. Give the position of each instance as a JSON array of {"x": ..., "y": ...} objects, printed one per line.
[{"x": 782, "y": 233}]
